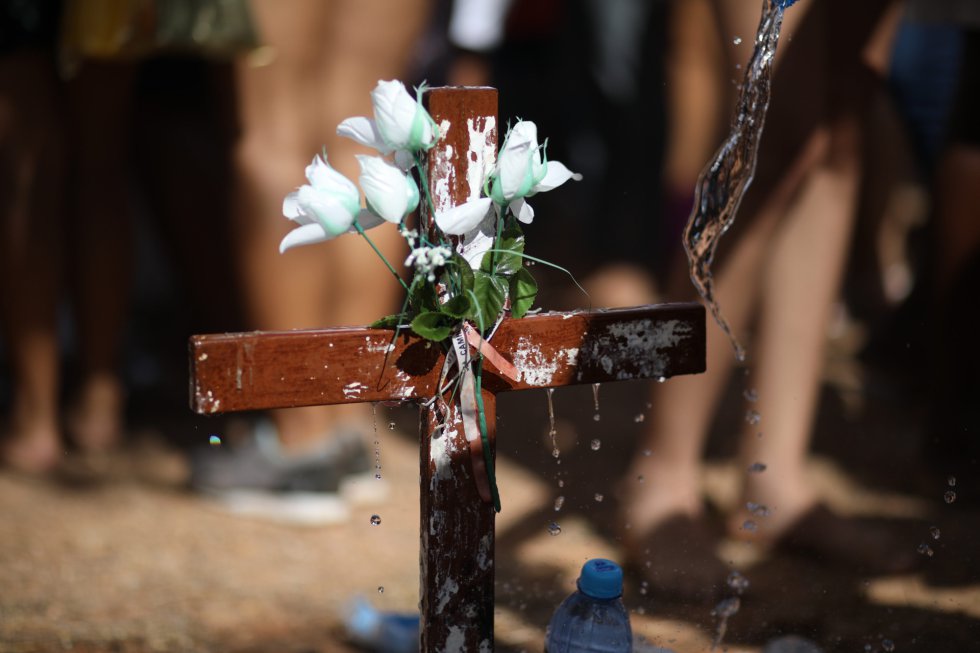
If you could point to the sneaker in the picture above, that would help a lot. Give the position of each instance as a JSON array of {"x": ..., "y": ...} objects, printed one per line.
[{"x": 257, "y": 478}]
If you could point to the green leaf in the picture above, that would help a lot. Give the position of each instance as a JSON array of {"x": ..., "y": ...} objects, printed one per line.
[
  {"x": 422, "y": 295},
  {"x": 433, "y": 325},
  {"x": 389, "y": 321},
  {"x": 508, "y": 258},
  {"x": 523, "y": 290},
  {"x": 464, "y": 272},
  {"x": 490, "y": 291},
  {"x": 458, "y": 307}
]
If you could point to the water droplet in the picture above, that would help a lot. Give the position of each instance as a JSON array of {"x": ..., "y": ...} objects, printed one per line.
[
  {"x": 749, "y": 526},
  {"x": 391, "y": 425},
  {"x": 753, "y": 417},
  {"x": 887, "y": 645},
  {"x": 214, "y": 441},
  {"x": 737, "y": 40},
  {"x": 647, "y": 452},
  {"x": 951, "y": 481},
  {"x": 378, "y": 476},
  {"x": 640, "y": 478},
  {"x": 595, "y": 444},
  {"x": 598, "y": 497},
  {"x": 554, "y": 529},
  {"x": 381, "y": 589},
  {"x": 639, "y": 418},
  {"x": 867, "y": 648},
  {"x": 751, "y": 394},
  {"x": 375, "y": 520},
  {"x": 738, "y": 582},
  {"x": 935, "y": 533},
  {"x": 758, "y": 509},
  {"x": 728, "y": 607},
  {"x": 559, "y": 502},
  {"x": 595, "y": 396},
  {"x": 644, "y": 588},
  {"x": 925, "y": 550},
  {"x": 661, "y": 379},
  {"x": 949, "y": 497},
  {"x": 561, "y": 483},
  {"x": 757, "y": 468},
  {"x": 555, "y": 453}
]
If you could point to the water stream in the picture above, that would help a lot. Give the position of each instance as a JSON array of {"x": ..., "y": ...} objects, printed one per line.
[{"x": 725, "y": 179}]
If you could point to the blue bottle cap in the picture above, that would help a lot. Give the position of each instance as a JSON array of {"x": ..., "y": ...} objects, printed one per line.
[{"x": 601, "y": 579}]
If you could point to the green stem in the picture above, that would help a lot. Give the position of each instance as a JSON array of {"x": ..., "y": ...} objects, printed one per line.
[
  {"x": 424, "y": 182},
  {"x": 377, "y": 251}
]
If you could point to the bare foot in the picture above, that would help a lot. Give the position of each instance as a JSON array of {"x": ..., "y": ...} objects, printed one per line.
[
  {"x": 655, "y": 492},
  {"x": 773, "y": 504},
  {"x": 95, "y": 420},
  {"x": 35, "y": 450}
]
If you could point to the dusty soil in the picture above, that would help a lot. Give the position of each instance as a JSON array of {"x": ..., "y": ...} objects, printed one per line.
[{"x": 127, "y": 560}]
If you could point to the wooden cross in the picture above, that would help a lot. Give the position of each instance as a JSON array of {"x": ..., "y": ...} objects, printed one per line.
[{"x": 261, "y": 370}]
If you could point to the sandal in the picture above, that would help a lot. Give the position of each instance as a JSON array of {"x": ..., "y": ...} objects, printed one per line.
[
  {"x": 831, "y": 538},
  {"x": 677, "y": 558}
]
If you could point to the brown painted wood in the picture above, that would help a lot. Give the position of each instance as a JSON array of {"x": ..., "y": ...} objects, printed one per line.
[
  {"x": 256, "y": 370},
  {"x": 259, "y": 370}
]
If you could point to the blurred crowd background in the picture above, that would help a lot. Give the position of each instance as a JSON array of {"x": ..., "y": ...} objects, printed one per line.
[{"x": 145, "y": 148}]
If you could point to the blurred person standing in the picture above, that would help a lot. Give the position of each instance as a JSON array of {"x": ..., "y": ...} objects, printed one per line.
[
  {"x": 31, "y": 238},
  {"x": 778, "y": 273},
  {"x": 321, "y": 60}
]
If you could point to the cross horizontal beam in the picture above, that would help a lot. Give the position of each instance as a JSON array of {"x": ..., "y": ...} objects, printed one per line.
[{"x": 253, "y": 370}]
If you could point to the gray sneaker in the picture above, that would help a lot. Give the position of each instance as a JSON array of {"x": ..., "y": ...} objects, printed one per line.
[{"x": 259, "y": 463}]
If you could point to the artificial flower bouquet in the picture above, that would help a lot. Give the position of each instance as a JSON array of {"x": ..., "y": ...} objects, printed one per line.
[{"x": 468, "y": 263}]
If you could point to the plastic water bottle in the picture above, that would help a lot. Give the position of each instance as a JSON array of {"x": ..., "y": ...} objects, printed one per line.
[
  {"x": 593, "y": 619},
  {"x": 382, "y": 632}
]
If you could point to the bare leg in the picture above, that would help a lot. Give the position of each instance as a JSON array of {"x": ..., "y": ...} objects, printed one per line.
[
  {"x": 100, "y": 100},
  {"x": 801, "y": 281},
  {"x": 683, "y": 407},
  {"x": 329, "y": 55},
  {"x": 30, "y": 248}
]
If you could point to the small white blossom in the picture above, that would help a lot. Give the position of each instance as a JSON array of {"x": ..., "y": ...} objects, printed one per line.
[{"x": 426, "y": 260}]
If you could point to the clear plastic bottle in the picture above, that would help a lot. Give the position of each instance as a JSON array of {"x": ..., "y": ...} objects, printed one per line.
[
  {"x": 383, "y": 632},
  {"x": 593, "y": 619}
]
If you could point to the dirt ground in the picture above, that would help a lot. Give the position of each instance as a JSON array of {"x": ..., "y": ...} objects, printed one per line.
[{"x": 127, "y": 560}]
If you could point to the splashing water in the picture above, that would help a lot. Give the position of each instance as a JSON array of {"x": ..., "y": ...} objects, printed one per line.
[
  {"x": 738, "y": 582},
  {"x": 724, "y": 610},
  {"x": 552, "y": 431},
  {"x": 377, "y": 443},
  {"x": 724, "y": 181}
]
